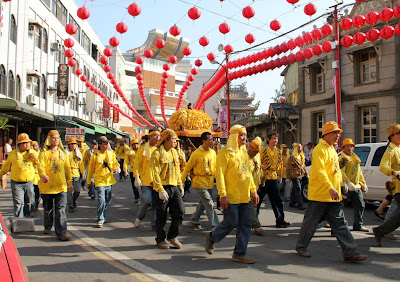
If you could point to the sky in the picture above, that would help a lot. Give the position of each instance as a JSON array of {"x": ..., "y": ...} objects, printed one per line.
[{"x": 162, "y": 14}]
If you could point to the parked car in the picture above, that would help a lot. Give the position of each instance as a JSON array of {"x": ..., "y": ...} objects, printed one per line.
[
  {"x": 11, "y": 267},
  {"x": 370, "y": 155}
]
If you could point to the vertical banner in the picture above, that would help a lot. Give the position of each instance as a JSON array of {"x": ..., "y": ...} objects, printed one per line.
[
  {"x": 63, "y": 81},
  {"x": 222, "y": 122},
  {"x": 115, "y": 115},
  {"x": 106, "y": 109}
]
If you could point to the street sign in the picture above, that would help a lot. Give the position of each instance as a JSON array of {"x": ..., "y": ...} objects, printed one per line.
[
  {"x": 63, "y": 81},
  {"x": 115, "y": 116},
  {"x": 67, "y": 136},
  {"x": 75, "y": 131}
]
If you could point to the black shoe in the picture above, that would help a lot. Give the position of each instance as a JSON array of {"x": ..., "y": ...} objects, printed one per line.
[
  {"x": 92, "y": 197},
  {"x": 281, "y": 225},
  {"x": 286, "y": 223},
  {"x": 381, "y": 216},
  {"x": 302, "y": 208}
]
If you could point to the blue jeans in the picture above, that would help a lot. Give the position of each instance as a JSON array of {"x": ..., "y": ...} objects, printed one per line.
[
  {"x": 206, "y": 203},
  {"x": 333, "y": 213},
  {"x": 271, "y": 188},
  {"x": 296, "y": 195},
  {"x": 55, "y": 204},
  {"x": 146, "y": 198},
  {"x": 104, "y": 194},
  {"x": 72, "y": 196},
  {"x": 92, "y": 190},
  {"x": 23, "y": 197},
  {"x": 356, "y": 198},
  {"x": 236, "y": 215},
  {"x": 392, "y": 210}
]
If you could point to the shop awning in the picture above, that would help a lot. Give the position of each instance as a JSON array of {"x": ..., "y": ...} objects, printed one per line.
[
  {"x": 98, "y": 128},
  {"x": 119, "y": 134},
  {"x": 16, "y": 110},
  {"x": 73, "y": 123}
]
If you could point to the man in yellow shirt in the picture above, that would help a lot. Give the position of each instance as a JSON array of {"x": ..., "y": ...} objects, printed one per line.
[
  {"x": 77, "y": 169},
  {"x": 22, "y": 163},
  {"x": 86, "y": 160},
  {"x": 55, "y": 173},
  {"x": 144, "y": 178},
  {"x": 82, "y": 148},
  {"x": 168, "y": 189},
  {"x": 271, "y": 161},
  {"x": 325, "y": 197},
  {"x": 354, "y": 178},
  {"x": 103, "y": 165},
  {"x": 35, "y": 146},
  {"x": 129, "y": 161},
  {"x": 235, "y": 184},
  {"x": 390, "y": 166},
  {"x": 120, "y": 151},
  {"x": 202, "y": 162}
]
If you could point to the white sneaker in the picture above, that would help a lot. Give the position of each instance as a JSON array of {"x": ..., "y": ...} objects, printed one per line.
[{"x": 137, "y": 222}]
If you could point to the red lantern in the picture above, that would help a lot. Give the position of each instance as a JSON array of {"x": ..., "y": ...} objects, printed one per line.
[
  {"x": 190, "y": 78},
  {"x": 387, "y": 32},
  {"x": 291, "y": 44},
  {"x": 69, "y": 43},
  {"x": 83, "y": 78},
  {"x": 373, "y": 34},
  {"x": 317, "y": 49},
  {"x": 204, "y": 41},
  {"x": 310, "y": 9},
  {"x": 316, "y": 34},
  {"x": 224, "y": 28},
  {"x": 228, "y": 49},
  {"x": 292, "y": 1},
  {"x": 166, "y": 67},
  {"x": 308, "y": 53},
  {"x": 327, "y": 46},
  {"x": 83, "y": 13},
  {"x": 359, "y": 38},
  {"x": 188, "y": 83},
  {"x": 69, "y": 53},
  {"x": 277, "y": 63},
  {"x": 275, "y": 25},
  {"x": 194, "y": 71},
  {"x": 385, "y": 14},
  {"x": 114, "y": 42},
  {"x": 346, "y": 23},
  {"x": 307, "y": 37},
  {"x": 175, "y": 30},
  {"x": 173, "y": 59},
  {"x": 299, "y": 41},
  {"x": 113, "y": 81},
  {"x": 160, "y": 43},
  {"x": 71, "y": 63},
  {"x": 148, "y": 53},
  {"x": 396, "y": 11},
  {"x": 140, "y": 83},
  {"x": 397, "y": 29},
  {"x": 326, "y": 29},
  {"x": 164, "y": 81},
  {"x": 372, "y": 18},
  {"x": 346, "y": 41},
  {"x": 103, "y": 60},
  {"x": 71, "y": 29},
  {"x": 194, "y": 13},
  {"x": 134, "y": 10},
  {"x": 285, "y": 60},
  {"x": 358, "y": 21},
  {"x": 292, "y": 58},
  {"x": 138, "y": 69},
  {"x": 186, "y": 51},
  {"x": 88, "y": 84},
  {"x": 284, "y": 48},
  {"x": 271, "y": 52},
  {"x": 78, "y": 71},
  {"x": 108, "y": 52},
  {"x": 300, "y": 56},
  {"x": 283, "y": 100},
  {"x": 211, "y": 56},
  {"x": 139, "y": 60},
  {"x": 165, "y": 75},
  {"x": 110, "y": 75},
  {"x": 198, "y": 63},
  {"x": 248, "y": 12},
  {"x": 107, "y": 68},
  {"x": 139, "y": 77},
  {"x": 92, "y": 87},
  {"x": 250, "y": 38},
  {"x": 122, "y": 27},
  {"x": 277, "y": 50}
]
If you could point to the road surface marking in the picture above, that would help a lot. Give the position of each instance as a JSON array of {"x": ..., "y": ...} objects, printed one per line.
[{"x": 131, "y": 263}]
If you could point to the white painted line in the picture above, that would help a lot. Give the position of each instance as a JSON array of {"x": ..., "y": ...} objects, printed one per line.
[{"x": 120, "y": 257}]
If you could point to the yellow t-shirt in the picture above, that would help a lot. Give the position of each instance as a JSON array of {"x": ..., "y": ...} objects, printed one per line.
[
  {"x": 76, "y": 165},
  {"x": 142, "y": 165},
  {"x": 22, "y": 166},
  {"x": 352, "y": 170},
  {"x": 255, "y": 168},
  {"x": 390, "y": 162},
  {"x": 270, "y": 162},
  {"x": 165, "y": 168},
  {"x": 129, "y": 160},
  {"x": 103, "y": 176},
  {"x": 121, "y": 151}
]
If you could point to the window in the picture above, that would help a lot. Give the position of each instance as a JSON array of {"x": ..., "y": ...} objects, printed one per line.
[
  {"x": 77, "y": 35},
  {"x": 376, "y": 161},
  {"x": 62, "y": 56},
  {"x": 367, "y": 66},
  {"x": 95, "y": 52},
  {"x": 59, "y": 11},
  {"x": 38, "y": 39},
  {"x": 368, "y": 124},
  {"x": 85, "y": 42},
  {"x": 58, "y": 54},
  {"x": 43, "y": 87},
  {"x": 317, "y": 78},
  {"x": 47, "y": 3},
  {"x": 363, "y": 153},
  {"x": 2, "y": 80},
  {"x": 13, "y": 30},
  {"x": 11, "y": 85},
  {"x": 18, "y": 89},
  {"x": 35, "y": 86},
  {"x": 319, "y": 121},
  {"x": 45, "y": 40}
]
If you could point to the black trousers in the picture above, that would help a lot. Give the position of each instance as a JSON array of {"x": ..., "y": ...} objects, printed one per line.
[
  {"x": 393, "y": 223},
  {"x": 176, "y": 209},
  {"x": 135, "y": 190},
  {"x": 121, "y": 165},
  {"x": 271, "y": 188}
]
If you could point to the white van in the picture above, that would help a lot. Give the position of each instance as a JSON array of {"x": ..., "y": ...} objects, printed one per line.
[{"x": 370, "y": 155}]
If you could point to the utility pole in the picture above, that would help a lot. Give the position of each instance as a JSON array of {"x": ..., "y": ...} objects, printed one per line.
[
  {"x": 227, "y": 91},
  {"x": 338, "y": 90}
]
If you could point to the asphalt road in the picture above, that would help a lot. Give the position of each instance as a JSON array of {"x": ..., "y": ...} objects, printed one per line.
[{"x": 120, "y": 252}]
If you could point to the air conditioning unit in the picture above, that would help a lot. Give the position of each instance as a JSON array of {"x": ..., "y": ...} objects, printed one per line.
[
  {"x": 32, "y": 100},
  {"x": 34, "y": 29},
  {"x": 55, "y": 47}
]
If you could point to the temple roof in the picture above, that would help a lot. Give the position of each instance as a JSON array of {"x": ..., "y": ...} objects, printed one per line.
[
  {"x": 244, "y": 108},
  {"x": 239, "y": 97}
]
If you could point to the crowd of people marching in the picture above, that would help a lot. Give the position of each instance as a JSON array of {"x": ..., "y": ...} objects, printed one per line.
[{"x": 243, "y": 176}]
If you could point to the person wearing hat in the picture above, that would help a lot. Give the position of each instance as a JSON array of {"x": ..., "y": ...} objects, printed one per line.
[
  {"x": 308, "y": 149},
  {"x": 354, "y": 179},
  {"x": 168, "y": 189},
  {"x": 271, "y": 161},
  {"x": 282, "y": 172},
  {"x": 86, "y": 160},
  {"x": 255, "y": 167},
  {"x": 130, "y": 161},
  {"x": 77, "y": 169},
  {"x": 102, "y": 166},
  {"x": 202, "y": 162},
  {"x": 235, "y": 185},
  {"x": 295, "y": 171},
  {"x": 120, "y": 151},
  {"x": 325, "y": 197},
  {"x": 55, "y": 179},
  {"x": 22, "y": 163},
  {"x": 390, "y": 166},
  {"x": 82, "y": 149},
  {"x": 35, "y": 146},
  {"x": 144, "y": 178}
]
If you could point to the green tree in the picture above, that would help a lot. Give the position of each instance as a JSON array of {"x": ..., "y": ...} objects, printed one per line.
[
  {"x": 279, "y": 93},
  {"x": 4, "y": 125}
]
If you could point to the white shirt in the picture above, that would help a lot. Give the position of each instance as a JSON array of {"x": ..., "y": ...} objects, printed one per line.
[{"x": 7, "y": 149}]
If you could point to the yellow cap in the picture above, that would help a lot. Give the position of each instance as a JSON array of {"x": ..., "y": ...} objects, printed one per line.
[
  {"x": 168, "y": 133},
  {"x": 72, "y": 140},
  {"x": 34, "y": 143},
  {"x": 121, "y": 139},
  {"x": 23, "y": 138},
  {"x": 255, "y": 144},
  {"x": 134, "y": 141},
  {"x": 329, "y": 127},
  {"x": 393, "y": 129},
  {"x": 80, "y": 139},
  {"x": 53, "y": 133},
  {"x": 348, "y": 141}
]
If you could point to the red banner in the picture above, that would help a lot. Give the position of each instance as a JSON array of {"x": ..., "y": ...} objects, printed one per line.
[
  {"x": 115, "y": 116},
  {"x": 106, "y": 110}
]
